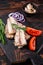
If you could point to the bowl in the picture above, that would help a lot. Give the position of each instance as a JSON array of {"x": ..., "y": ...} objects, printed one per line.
[{"x": 34, "y": 6}]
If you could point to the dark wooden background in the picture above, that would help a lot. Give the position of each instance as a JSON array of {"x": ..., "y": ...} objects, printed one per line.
[{"x": 13, "y": 5}]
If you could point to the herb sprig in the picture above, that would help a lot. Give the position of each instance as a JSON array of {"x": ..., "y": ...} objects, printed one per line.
[
  {"x": 18, "y": 27},
  {"x": 2, "y": 30}
]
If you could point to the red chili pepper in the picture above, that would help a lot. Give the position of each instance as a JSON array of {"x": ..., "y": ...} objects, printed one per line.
[
  {"x": 32, "y": 44},
  {"x": 33, "y": 31}
]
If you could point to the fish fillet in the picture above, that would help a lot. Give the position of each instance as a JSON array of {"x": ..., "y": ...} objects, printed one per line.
[
  {"x": 9, "y": 27},
  {"x": 22, "y": 37},
  {"x": 16, "y": 41},
  {"x": 12, "y": 20}
]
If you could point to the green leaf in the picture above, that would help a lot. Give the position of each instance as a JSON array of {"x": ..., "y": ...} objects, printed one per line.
[
  {"x": 2, "y": 34},
  {"x": 18, "y": 27}
]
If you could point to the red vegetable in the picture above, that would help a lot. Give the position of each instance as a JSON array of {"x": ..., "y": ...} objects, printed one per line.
[
  {"x": 33, "y": 31},
  {"x": 32, "y": 44}
]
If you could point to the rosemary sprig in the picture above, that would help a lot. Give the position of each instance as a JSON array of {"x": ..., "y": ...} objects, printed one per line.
[{"x": 18, "y": 27}]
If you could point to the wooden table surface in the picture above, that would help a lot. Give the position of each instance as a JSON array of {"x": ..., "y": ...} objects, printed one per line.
[{"x": 13, "y": 6}]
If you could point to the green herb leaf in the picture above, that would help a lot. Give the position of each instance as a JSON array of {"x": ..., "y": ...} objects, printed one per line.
[
  {"x": 18, "y": 27},
  {"x": 2, "y": 34}
]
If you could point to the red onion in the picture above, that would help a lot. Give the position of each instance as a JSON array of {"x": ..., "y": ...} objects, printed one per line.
[
  {"x": 10, "y": 14},
  {"x": 18, "y": 16}
]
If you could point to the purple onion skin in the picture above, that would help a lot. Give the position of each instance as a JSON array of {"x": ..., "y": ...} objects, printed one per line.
[{"x": 18, "y": 16}]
